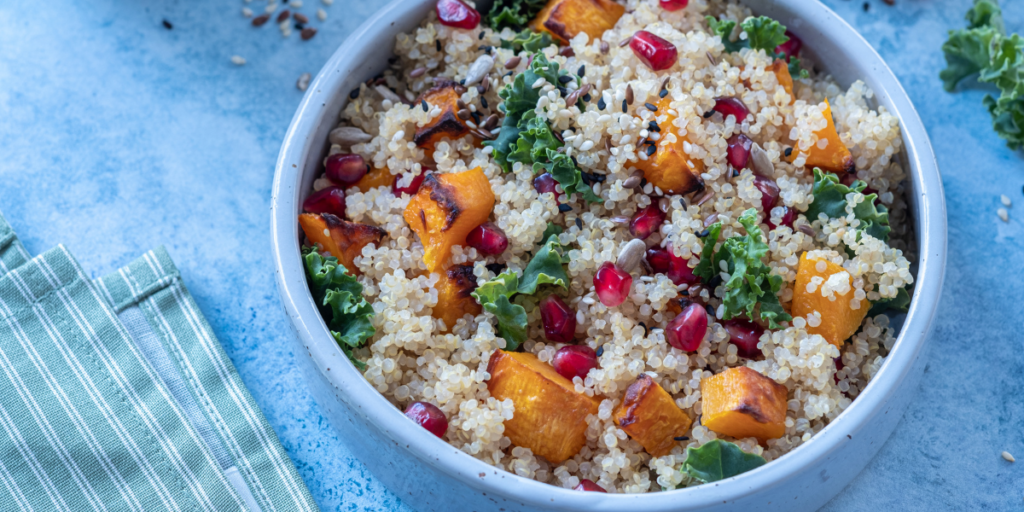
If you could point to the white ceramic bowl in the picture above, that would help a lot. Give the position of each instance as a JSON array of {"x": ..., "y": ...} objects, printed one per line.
[{"x": 429, "y": 474}]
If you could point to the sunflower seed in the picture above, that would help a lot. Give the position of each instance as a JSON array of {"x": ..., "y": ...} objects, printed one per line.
[
  {"x": 762, "y": 164},
  {"x": 480, "y": 67},
  {"x": 630, "y": 255},
  {"x": 388, "y": 94},
  {"x": 620, "y": 219},
  {"x": 348, "y": 136}
]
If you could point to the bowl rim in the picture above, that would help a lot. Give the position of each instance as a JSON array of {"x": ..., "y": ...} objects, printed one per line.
[{"x": 930, "y": 218}]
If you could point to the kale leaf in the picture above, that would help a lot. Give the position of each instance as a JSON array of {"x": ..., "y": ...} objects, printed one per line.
[
  {"x": 985, "y": 50},
  {"x": 763, "y": 33},
  {"x": 552, "y": 229},
  {"x": 496, "y": 295},
  {"x": 898, "y": 303},
  {"x": 717, "y": 460},
  {"x": 514, "y": 14},
  {"x": 750, "y": 280},
  {"x": 527, "y": 40},
  {"x": 339, "y": 296},
  {"x": 830, "y": 199}
]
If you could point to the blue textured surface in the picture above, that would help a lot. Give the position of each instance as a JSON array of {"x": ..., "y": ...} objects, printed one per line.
[{"x": 117, "y": 135}]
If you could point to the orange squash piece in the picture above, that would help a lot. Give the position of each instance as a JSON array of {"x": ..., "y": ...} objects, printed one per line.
[
  {"x": 740, "y": 402},
  {"x": 838, "y": 320},
  {"x": 375, "y": 178},
  {"x": 781, "y": 70},
  {"x": 669, "y": 168},
  {"x": 836, "y": 157},
  {"x": 550, "y": 416},
  {"x": 453, "y": 295},
  {"x": 446, "y": 208},
  {"x": 343, "y": 239},
  {"x": 444, "y": 95},
  {"x": 650, "y": 416},
  {"x": 564, "y": 19}
]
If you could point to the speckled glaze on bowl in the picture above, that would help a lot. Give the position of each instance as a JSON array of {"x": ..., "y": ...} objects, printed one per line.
[{"x": 429, "y": 474}]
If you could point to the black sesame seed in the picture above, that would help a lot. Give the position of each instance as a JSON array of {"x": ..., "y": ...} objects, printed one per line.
[
  {"x": 600, "y": 178},
  {"x": 709, "y": 309},
  {"x": 601, "y": 104},
  {"x": 481, "y": 36},
  {"x": 354, "y": 94},
  {"x": 476, "y": 117},
  {"x": 168, "y": 25},
  {"x": 682, "y": 203},
  {"x": 581, "y": 71},
  {"x": 735, "y": 173},
  {"x": 483, "y": 101},
  {"x": 704, "y": 233},
  {"x": 495, "y": 267},
  {"x": 586, "y": 177},
  {"x": 600, "y": 351},
  {"x": 423, "y": 103},
  {"x": 564, "y": 208},
  {"x": 574, "y": 161},
  {"x": 509, "y": 73},
  {"x": 564, "y": 79},
  {"x": 651, "y": 150},
  {"x": 663, "y": 93},
  {"x": 562, "y": 91},
  {"x": 709, "y": 113},
  {"x": 645, "y": 328},
  {"x": 437, "y": 44},
  {"x": 579, "y": 223},
  {"x": 624, "y": 106},
  {"x": 685, "y": 293},
  {"x": 653, "y": 126},
  {"x": 586, "y": 97},
  {"x": 681, "y": 438},
  {"x": 643, "y": 182},
  {"x": 462, "y": 82},
  {"x": 651, "y": 107},
  {"x": 789, "y": 151},
  {"x": 715, "y": 281}
]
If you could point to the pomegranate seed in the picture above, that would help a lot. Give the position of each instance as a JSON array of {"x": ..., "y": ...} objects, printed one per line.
[
  {"x": 663, "y": 261},
  {"x": 329, "y": 200},
  {"x": 487, "y": 239},
  {"x": 646, "y": 221},
  {"x": 559, "y": 320},
  {"x": 654, "y": 51},
  {"x": 546, "y": 183},
  {"x": 612, "y": 284},
  {"x": 745, "y": 335},
  {"x": 790, "y": 48},
  {"x": 574, "y": 361},
  {"x": 428, "y": 416},
  {"x": 455, "y": 13},
  {"x": 587, "y": 485},
  {"x": 739, "y": 150},
  {"x": 345, "y": 169},
  {"x": 787, "y": 218},
  {"x": 769, "y": 192},
  {"x": 688, "y": 328},
  {"x": 411, "y": 188},
  {"x": 731, "y": 107}
]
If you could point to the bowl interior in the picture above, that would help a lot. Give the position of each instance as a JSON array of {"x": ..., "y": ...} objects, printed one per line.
[{"x": 832, "y": 44}]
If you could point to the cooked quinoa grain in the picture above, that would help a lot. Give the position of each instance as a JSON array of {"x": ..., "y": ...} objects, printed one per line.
[{"x": 414, "y": 356}]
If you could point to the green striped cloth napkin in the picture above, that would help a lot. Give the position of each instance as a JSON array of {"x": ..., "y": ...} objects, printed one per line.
[{"x": 117, "y": 396}]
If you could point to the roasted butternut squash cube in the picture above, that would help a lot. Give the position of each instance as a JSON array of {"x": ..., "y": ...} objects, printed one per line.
[
  {"x": 650, "y": 416},
  {"x": 781, "y": 70},
  {"x": 375, "y": 178},
  {"x": 445, "y": 96},
  {"x": 839, "y": 320},
  {"x": 740, "y": 402},
  {"x": 564, "y": 19},
  {"x": 550, "y": 416},
  {"x": 453, "y": 295},
  {"x": 446, "y": 208},
  {"x": 835, "y": 157},
  {"x": 343, "y": 239},
  {"x": 670, "y": 168}
]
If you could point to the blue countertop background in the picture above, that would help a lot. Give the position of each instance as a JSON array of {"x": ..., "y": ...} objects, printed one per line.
[{"x": 118, "y": 135}]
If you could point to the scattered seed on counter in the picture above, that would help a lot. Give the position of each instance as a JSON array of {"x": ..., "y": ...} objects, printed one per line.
[
  {"x": 1003, "y": 214},
  {"x": 301, "y": 18},
  {"x": 271, "y": 8},
  {"x": 258, "y": 21},
  {"x": 303, "y": 83},
  {"x": 247, "y": 12},
  {"x": 321, "y": 14},
  {"x": 1007, "y": 456},
  {"x": 237, "y": 60},
  {"x": 308, "y": 33},
  {"x": 1006, "y": 201},
  {"x": 283, "y": 15},
  {"x": 297, "y": 3},
  {"x": 167, "y": 25}
]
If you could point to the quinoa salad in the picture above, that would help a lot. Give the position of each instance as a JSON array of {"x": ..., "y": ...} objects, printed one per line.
[{"x": 615, "y": 246}]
